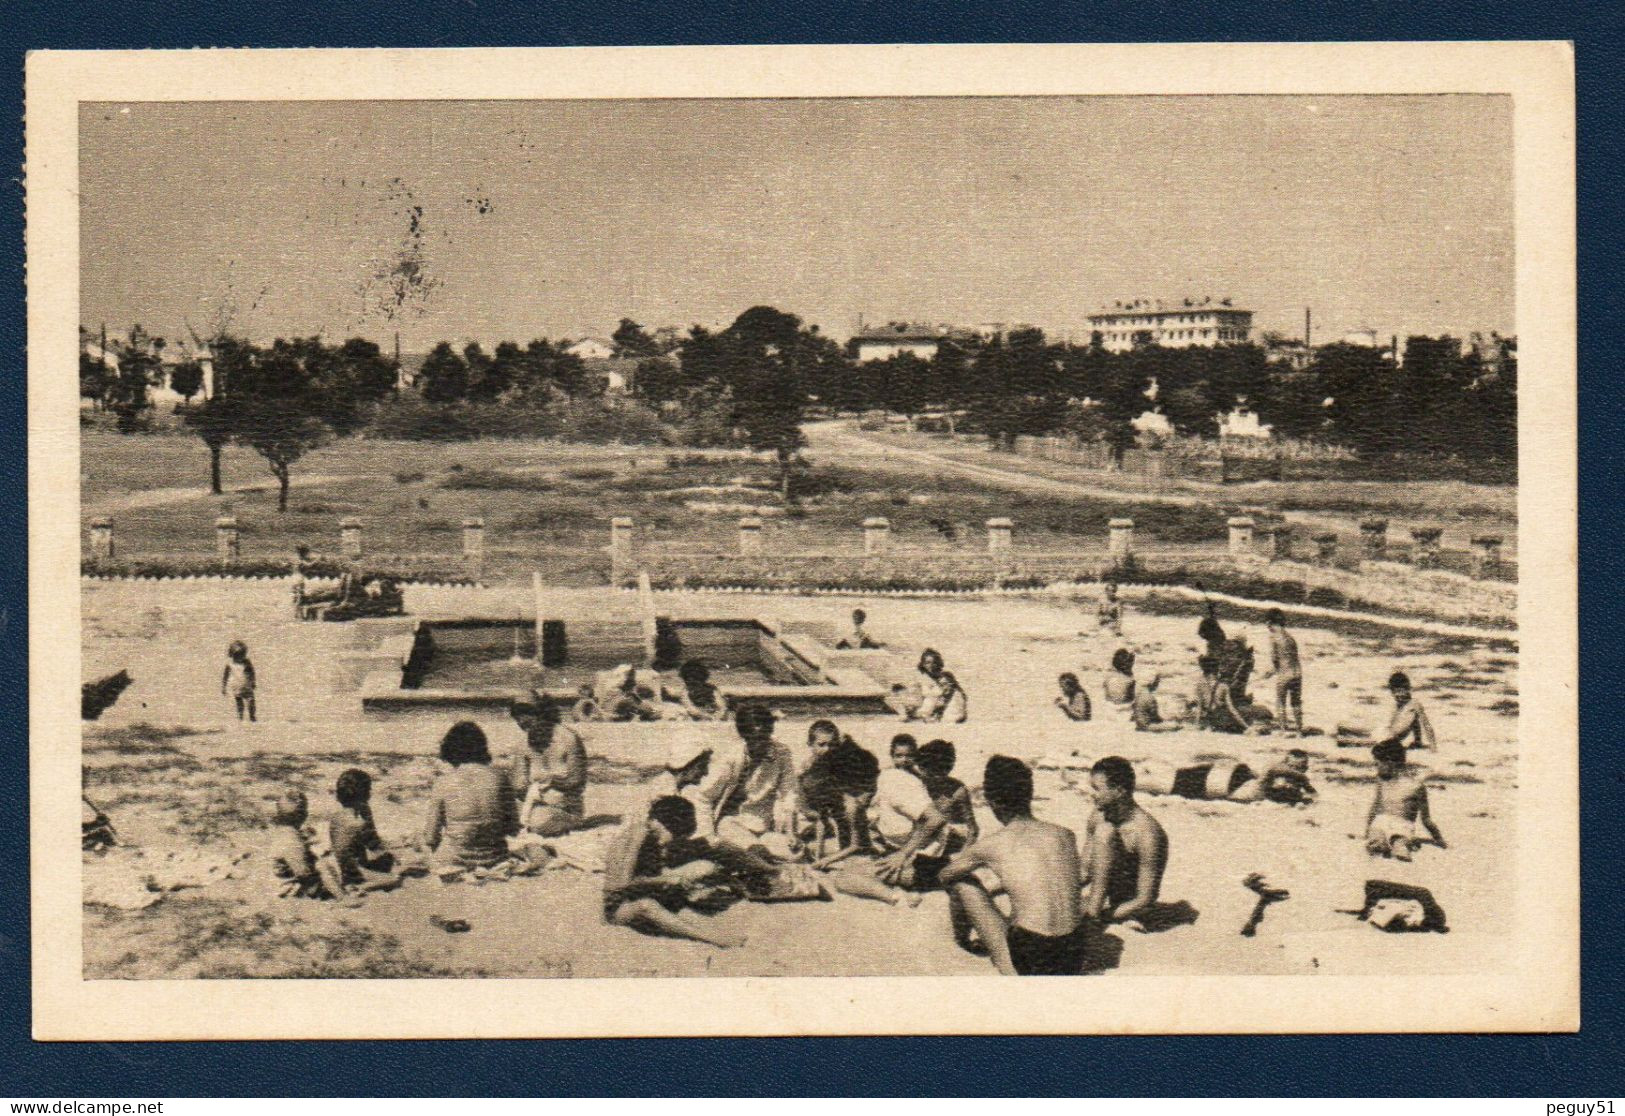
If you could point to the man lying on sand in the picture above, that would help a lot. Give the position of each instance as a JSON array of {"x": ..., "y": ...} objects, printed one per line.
[
  {"x": 1399, "y": 809},
  {"x": 1036, "y": 863},
  {"x": 1126, "y": 848}
]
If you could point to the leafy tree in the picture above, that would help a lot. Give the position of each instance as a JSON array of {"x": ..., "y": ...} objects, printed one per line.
[
  {"x": 1360, "y": 384},
  {"x": 765, "y": 352},
  {"x": 444, "y": 376},
  {"x": 140, "y": 367},
  {"x": 94, "y": 378},
  {"x": 214, "y": 421},
  {"x": 361, "y": 368},
  {"x": 658, "y": 380},
  {"x": 633, "y": 341},
  {"x": 280, "y": 405},
  {"x": 186, "y": 379}
]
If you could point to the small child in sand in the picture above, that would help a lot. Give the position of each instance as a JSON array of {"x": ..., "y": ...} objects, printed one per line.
[
  {"x": 858, "y": 639},
  {"x": 1399, "y": 809},
  {"x": 293, "y": 864},
  {"x": 955, "y": 702},
  {"x": 238, "y": 679},
  {"x": 1074, "y": 701},
  {"x": 1109, "y": 614},
  {"x": 362, "y": 861}
]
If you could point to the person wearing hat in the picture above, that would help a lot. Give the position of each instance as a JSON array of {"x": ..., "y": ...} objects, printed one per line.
[{"x": 550, "y": 771}]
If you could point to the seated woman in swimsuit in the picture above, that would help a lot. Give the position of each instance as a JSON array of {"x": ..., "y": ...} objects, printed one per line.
[{"x": 472, "y": 809}]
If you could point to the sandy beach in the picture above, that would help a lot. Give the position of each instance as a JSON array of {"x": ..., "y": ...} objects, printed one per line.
[{"x": 177, "y": 774}]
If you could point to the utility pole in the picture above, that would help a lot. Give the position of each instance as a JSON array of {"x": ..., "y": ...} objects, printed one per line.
[{"x": 1306, "y": 342}]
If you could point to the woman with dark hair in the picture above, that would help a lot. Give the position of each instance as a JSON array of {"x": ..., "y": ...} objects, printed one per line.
[
  {"x": 550, "y": 772},
  {"x": 471, "y": 808}
]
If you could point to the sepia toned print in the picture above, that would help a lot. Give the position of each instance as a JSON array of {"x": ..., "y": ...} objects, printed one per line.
[{"x": 821, "y": 526}]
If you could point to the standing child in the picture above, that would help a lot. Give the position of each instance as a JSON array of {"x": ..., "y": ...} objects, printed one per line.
[
  {"x": 1109, "y": 615},
  {"x": 238, "y": 679},
  {"x": 1287, "y": 671}
]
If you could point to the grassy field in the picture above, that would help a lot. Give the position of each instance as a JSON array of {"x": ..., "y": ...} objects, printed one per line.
[{"x": 550, "y": 505}]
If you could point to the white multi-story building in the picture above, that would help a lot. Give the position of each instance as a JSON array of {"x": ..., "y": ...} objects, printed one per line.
[{"x": 1173, "y": 325}]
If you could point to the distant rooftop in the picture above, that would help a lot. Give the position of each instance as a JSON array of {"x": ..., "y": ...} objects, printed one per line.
[{"x": 1167, "y": 306}]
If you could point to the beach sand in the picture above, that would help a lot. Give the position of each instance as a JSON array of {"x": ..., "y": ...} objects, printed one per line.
[{"x": 175, "y": 770}]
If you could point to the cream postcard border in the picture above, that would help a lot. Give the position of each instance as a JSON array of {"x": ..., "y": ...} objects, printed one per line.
[{"x": 1541, "y": 994}]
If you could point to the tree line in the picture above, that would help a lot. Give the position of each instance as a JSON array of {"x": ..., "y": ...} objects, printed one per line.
[{"x": 752, "y": 383}]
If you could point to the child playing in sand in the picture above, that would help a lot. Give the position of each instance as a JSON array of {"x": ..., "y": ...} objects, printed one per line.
[
  {"x": 1074, "y": 701},
  {"x": 362, "y": 861},
  {"x": 954, "y": 706},
  {"x": 293, "y": 864},
  {"x": 1146, "y": 709},
  {"x": 852, "y": 776},
  {"x": 238, "y": 679},
  {"x": 1399, "y": 809},
  {"x": 857, "y": 639}
]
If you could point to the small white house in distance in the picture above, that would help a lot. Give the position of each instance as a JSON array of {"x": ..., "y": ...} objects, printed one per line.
[
  {"x": 887, "y": 341},
  {"x": 1242, "y": 423},
  {"x": 591, "y": 348},
  {"x": 169, "y": 359}
]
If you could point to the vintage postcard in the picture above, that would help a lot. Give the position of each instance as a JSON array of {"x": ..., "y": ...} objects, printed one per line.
[{"x": 797, "y": 541}]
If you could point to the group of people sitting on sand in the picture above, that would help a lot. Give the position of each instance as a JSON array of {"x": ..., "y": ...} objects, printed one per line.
[
  {"x": 633, "y": 693},
  {"x": 1221, "y": 701},
  {"x": 728, "y": 822}
]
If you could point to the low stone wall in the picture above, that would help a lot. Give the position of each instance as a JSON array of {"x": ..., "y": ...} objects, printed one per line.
[{"x": 1404, "y": 588}]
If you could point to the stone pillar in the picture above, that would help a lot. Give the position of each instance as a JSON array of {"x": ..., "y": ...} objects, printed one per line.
[
  {"x": 474, "y": 541},
  {"x": 876, "y": 535},
  {"x": 1374, "y": 538},
  {"x": 1425, "y": 555},
  {"x": 226, "y": 547},
  {"x": 1326, "y": 548},
  {"x": 1241, "y": 535},
  {"x": 999, "y": 530},
  {"x": 1486, "y": 555},
  {"x": 101, "y": 538},
  {"x": 750, "y": 535},
  {"x": 620, "y": 547},
  {"x": 1120, "y": 538},
  {"x": 350, "y": 537}
]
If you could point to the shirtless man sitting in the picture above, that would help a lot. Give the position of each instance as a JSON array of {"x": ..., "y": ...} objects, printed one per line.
[
  {"x": 1125, "y": 848},
  {"x": 1399, "y": 809},
  {"x": 1037, "y": 865}
]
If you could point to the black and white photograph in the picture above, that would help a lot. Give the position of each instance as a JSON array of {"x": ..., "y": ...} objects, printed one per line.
[{"x": 655, "y": 539}]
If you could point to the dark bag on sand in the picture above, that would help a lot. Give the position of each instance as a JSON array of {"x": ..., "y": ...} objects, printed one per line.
[{"x": 1432, "y": 914}]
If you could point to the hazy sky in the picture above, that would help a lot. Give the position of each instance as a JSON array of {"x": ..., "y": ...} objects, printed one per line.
[{"x": 556, "y": 218}]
